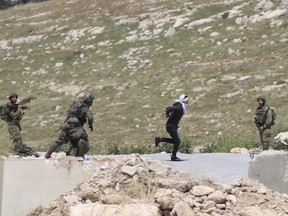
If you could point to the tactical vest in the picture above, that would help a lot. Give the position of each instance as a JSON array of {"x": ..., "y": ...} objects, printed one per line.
[{"x": 261, "y": 116}]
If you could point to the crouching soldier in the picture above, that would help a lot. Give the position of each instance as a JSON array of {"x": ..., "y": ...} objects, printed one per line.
[{"x": 73, "y": 134}]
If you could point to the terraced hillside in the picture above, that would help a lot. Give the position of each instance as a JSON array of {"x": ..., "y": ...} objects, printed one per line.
[{"x": 137, "y": 57}]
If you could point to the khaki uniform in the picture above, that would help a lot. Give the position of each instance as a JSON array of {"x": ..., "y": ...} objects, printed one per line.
[
  {"x": 263, "y": 121},
  {"x": 14, "y": 116}
]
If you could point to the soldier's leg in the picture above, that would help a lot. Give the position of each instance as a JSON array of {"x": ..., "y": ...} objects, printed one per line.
[
  {"x": 60, "y": 141},
  {"x": 266, "y": 137},
  {"x": 15, "y": 135},
  {"x": 82, "y": 148}
]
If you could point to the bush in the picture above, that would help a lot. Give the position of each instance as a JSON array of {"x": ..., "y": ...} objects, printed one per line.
[{"x": 226, "y": 142}]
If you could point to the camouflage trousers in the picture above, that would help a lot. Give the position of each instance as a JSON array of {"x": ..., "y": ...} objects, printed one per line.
[
  {"x": 19, "y": 147},
  {"x": 77, "y": 149},
  {"x": 15, "y": 133},
  {"x": 265, "y": 138}
]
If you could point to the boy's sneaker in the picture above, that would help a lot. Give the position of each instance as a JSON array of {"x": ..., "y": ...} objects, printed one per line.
[
  {"x": 174, "y": 158},
  {"x": 157, "y": 141}
]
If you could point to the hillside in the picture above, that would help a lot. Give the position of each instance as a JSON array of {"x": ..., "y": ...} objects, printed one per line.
[{"x": 137, "y": 57}]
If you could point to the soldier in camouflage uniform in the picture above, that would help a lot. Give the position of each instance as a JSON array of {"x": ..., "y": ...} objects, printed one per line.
[
  {"x": 263, "y": 121},
  {"x": 14, "y": 113},
  {"x": 76, "y": 135},
  {"x": 79, "y": 110}
]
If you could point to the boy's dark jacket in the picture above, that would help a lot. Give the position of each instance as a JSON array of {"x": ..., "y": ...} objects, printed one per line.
[{"x": 174, "y": 114}]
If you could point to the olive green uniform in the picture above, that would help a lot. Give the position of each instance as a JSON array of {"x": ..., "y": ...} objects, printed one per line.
[
  {"x": 14, "y": 116},
  {"x": 78, "y": 139},
  {"x": 84, "y": 113},
  {"x": 263, "y": 121}
]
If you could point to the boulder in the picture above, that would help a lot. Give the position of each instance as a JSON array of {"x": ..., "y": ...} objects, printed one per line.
[
  {"x": 218, "y": 197},
  {"x": 183, "y": 186},
  {"x": 182, "y": 209},
  {"x": 199, "y": 191}
]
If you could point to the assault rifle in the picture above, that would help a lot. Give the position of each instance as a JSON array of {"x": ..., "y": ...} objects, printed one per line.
[
  {"x": 24, "y": 107},
  {"x": 25, "y": 101}
]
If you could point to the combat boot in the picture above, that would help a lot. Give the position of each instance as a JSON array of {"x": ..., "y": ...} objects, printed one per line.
[{"x": 265, "y": 145}]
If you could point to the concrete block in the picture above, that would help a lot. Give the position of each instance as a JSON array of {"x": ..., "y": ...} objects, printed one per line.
[
  {"x": 271, "y": 169},
  {"x": 30, "y": 182}
]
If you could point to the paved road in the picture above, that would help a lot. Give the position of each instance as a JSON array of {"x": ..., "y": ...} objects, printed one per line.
[{"x": 222, "y": 168}]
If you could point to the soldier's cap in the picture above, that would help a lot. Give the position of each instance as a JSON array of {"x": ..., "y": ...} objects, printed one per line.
[{"x": 13, "y": 95}]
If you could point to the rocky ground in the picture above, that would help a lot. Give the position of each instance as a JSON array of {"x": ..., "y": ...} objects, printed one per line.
[{"x": 134, "y": 185}]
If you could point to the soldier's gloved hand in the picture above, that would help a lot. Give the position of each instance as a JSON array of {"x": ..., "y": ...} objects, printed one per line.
[{"x": 91, "y": 127}]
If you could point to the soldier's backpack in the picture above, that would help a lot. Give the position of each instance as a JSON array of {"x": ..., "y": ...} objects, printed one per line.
[
  {"x": 75, "y": 109},
  {"x": 274, "y": 115},
  {"x": 3, "y": 114}
]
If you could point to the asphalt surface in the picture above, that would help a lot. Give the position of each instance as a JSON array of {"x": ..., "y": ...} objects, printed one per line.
[{"x": 223, "y": 168}]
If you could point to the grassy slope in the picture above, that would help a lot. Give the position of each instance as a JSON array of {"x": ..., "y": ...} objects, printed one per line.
[{"x": 121, "y": 120}]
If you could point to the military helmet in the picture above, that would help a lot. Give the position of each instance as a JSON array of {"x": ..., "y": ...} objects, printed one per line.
[
  {"x": 13, "y": 95},
  {"x": 88, "y": 97},
  {"x": 73, "y": 120},
  {"x": 262, "y": 98}
]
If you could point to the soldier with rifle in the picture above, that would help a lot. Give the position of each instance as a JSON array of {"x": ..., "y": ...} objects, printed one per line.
[
  {"x": 13, "y": 114},
  {"x": 81, "y": 111}
]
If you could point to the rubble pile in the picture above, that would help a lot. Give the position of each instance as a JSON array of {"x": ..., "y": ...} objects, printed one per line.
[{"x": 134, "y": 185}]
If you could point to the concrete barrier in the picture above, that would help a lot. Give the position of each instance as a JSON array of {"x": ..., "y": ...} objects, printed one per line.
[
  {"x": 28, "y": 183},
  {"x": 271, "y": 169}
]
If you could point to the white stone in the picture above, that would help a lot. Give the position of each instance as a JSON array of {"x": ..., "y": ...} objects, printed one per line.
[
  {"x": 180, "y": 21},
  {"x": 182, "y": 209},
  {"x": 282, "y": 137},
  {"x": 218, "y": 197},
  {"x": 129, "y": 170},
  {"x": 202, "y": 190},
  {"x": 199, "y": 22}
]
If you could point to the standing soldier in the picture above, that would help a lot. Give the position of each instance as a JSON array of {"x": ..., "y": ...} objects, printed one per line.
[
  {"x": 263, "y": 121},
  {"x": 76, "y": 135},
  {"x": 14, "y": 113},
  {"x": 174, "y": 114},
  {"x": 80, "y": 110}
]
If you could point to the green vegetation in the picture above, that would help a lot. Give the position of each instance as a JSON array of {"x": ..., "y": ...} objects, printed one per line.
[{"x": 135, "y": 81}]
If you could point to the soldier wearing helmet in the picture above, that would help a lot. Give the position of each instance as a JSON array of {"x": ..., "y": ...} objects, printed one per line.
[
  {"x": 73, "y": 134},
  {"x": 14, "y": 113},
  {"x": 81, "y": 110},
  {"x": 263, "y": 121}
]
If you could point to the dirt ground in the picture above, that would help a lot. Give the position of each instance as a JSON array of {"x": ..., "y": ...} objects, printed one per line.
[{"x": 120, "y": 181}]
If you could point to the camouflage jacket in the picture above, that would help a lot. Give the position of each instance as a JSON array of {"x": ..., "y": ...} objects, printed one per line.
[
  {"x": 83, "y": 114},
  {"x": 14, "y": 115},
  {"x": 263, "y": 116}
]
